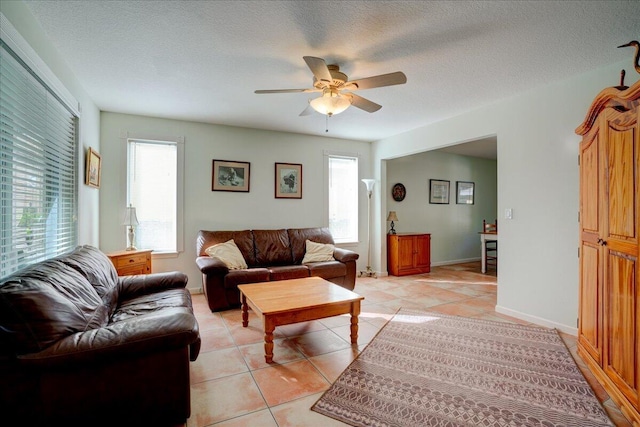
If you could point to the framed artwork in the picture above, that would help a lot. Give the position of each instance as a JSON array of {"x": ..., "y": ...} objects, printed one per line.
[
  {"x": 439, "y": 191},
  {"x": 288, "y": 183},
  {"x": 230, "y": 175},
  {"x": 464, "y": 192},
  {"x": 93, "y": 173},
  {"x": 398, "y": 192}
]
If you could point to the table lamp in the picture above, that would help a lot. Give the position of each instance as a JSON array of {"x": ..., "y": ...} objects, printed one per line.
[
  {"x": 392, "y": 217},
  {"x": 131, "y": 220}
]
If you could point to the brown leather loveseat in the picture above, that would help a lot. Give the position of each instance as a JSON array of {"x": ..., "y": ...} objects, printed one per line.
[
  {"x": 81, "y": 346},
  {"x": 270, "y": 255}
]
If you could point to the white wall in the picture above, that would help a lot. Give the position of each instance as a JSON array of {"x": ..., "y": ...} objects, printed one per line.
[
  {"x": 89, "y": 124},
  {"x": 454, "y": 228},
  {"x": 215, "y": 210},
  {"x": 537, "y": 178}
]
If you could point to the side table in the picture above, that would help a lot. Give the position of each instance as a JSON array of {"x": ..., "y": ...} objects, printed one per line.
[{"x": 131, "y": 262}]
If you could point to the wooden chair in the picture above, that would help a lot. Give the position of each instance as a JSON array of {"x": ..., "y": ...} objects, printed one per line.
[{"x": 491, "y": 246}]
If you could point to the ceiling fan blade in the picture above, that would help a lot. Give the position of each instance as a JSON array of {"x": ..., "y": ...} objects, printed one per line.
[
  {"x": 364, "y": 104},
  {"x": 318, "y": 68},
  {"x": 390, "y": 79},
  {"x": 307, "y": 111},
  {"x": 286, "y": 90}
]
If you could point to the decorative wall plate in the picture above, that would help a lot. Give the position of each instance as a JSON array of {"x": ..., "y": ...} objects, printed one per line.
[{"x": 398, "y": 192}]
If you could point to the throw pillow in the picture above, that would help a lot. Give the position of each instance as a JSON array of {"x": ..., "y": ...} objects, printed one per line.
[
  {"x": 228, "y": 253},
  {"x": 318, "y": 252}
]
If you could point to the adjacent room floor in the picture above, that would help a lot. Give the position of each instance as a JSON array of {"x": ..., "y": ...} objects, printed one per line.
[{"x": 232, "y": 385}]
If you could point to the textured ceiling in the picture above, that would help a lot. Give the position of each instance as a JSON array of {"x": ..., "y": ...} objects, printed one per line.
[{"x": 202, "y": 60}]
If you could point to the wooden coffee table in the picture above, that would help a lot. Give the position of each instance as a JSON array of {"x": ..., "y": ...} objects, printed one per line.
[{"x": 297, "y": 300}]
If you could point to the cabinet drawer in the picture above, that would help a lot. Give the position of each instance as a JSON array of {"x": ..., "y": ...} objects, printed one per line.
[
  {"x": 133, "y": 270},
  {"x": 124, "y": 261}
]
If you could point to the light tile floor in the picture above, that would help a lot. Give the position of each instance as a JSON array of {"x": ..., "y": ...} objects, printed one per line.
[{"x": 232, "y": 385}]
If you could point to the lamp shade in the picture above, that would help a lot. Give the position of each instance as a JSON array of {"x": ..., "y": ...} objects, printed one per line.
[
  {"x": 369, "y": 183},
  {"x": 130, "y": 217},
  {"x": 331, "y": 102},
  {"x": 392, "y": 216}
]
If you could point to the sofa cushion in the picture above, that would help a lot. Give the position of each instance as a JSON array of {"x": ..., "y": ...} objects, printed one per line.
[
  {"x": 242, "y": 277},
  {"x": 328, "y": 269},
  {"x": 228, "y": 253},
  {"x": 98, "y": 269},
  {"x": 287, "y": 272},
  {"x": 243, "y": 239},
  {"x": 299, "y": 236},
  {"x": 149, "y": 304},
  {"x": 45, "y": 303},
  {"x": 272, "y": 248},
  {"x": 318, "y": 252}
]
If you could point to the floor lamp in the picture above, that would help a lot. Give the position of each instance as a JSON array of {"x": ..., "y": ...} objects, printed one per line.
[{"x": 368, "y": 273}]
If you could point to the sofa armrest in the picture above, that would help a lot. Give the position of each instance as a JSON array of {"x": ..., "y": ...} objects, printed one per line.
[
  {"x": 143, "y": 284},
  {"x": 208, "y": 265},
  {"x": 345, "y": 255},
  {"x": 135, "y": 337}
]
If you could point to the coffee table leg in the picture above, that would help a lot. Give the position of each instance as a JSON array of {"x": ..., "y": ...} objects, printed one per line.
[
  {"x": 268, "y": 340},
  {"x": 355, "y": 312},
  {"x": 245, "y": 312}
]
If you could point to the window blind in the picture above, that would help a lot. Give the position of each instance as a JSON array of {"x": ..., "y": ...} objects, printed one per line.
[{"x": 38, "y": 173}]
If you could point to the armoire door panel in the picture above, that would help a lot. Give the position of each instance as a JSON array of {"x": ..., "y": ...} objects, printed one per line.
[
  {"x": 589, "y": 170},
  {"x": 621, "y": 323},
  {"x": 621, "y": 153},
  {"x": 590, "y": 301}
]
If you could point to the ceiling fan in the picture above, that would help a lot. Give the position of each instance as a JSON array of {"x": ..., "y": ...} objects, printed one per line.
[{"x": 336, "y": 88}]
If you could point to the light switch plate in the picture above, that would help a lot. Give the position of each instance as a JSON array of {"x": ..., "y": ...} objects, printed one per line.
[{"x": 508, "y": 213}]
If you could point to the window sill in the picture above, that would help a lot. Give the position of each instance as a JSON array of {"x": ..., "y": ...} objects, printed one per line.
[
  {"x": 163, "y": 255},
  {"x": 348, "y": 245}
]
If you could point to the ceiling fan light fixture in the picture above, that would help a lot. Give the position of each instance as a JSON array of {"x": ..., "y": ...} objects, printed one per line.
[{"x": 330, "y": 103}]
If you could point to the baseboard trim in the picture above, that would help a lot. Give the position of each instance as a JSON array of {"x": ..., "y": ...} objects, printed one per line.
[
  {"x": 537, "y": 320},
  {"x": 377, "y": 273},
  {"x": 455, "y": 261}
]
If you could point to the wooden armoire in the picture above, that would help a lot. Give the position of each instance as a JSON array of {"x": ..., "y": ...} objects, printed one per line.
[{"x": 609, "y": 304}]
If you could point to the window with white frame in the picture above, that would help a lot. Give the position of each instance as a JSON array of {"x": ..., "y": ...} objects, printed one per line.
[
  {"x": 342, "y": 171},
  {"x": 38, "y": 166},
  {"x": 154, "y": 188}
]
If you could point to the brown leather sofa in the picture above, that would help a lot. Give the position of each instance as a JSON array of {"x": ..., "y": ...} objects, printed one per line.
[
  {"x": 270, "y": 255},
  {"x": 81, "y": 346}
]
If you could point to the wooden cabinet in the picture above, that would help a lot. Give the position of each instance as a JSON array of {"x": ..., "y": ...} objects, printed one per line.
[
  {"x": 128, "y": 263},
  {"x": 609, "y": 304},
  {"x": 408, "y": 253}
]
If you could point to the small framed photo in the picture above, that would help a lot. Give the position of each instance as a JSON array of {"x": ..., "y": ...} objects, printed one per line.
[
  {"x": 439, "y": 191},
  {"x": 288, "y": 183},
  {"x": 230, "y": 175},
  {"x": 464, "y": 192},
  {"x": 93, "y": 172}
]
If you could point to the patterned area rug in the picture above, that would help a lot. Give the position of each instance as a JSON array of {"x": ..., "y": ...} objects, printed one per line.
[{"x": 430, "y": 369}]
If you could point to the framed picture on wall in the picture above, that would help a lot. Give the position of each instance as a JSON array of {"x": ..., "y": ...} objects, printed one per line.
[
  {"x": 230, "y": 175},
  {"x": 288, "y": 183},
  {"x": 93, "y": 172},
  {"x": 439, "y": 191},
  {"x": 398, "y": 192},
  {"x": 464, "y": 192}
]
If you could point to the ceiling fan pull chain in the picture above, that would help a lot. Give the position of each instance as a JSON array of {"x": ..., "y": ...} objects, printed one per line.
[{"x": 326, "y": 119}]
